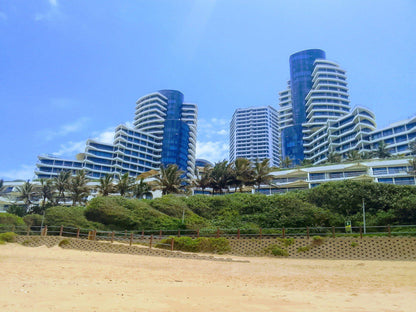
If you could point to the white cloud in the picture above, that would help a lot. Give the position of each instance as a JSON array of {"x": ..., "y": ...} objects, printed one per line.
[
  {"x": 70, "y": 148},
  {"x": 64, "y": 130},
  {"x": 209, "y": 130},
  {"x": 212, "y": 151},
  {"x": 52, "y": 13},
  {"x": 25, "y": 172},
  {"x": 107, "y": 136}
]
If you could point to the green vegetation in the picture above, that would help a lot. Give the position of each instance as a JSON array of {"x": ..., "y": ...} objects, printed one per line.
[
  {"x": 327, "y": 205},
  {"x": 304, "y": 248},
  {"x": 64, "y": 242},
  {"x": 8, "y": 237},
  {"x": 203, "y": 244},
  {"x": 317, "y": 240},
  {"x": 276, "y": 250},
  {"x": 354, "y": 244}
]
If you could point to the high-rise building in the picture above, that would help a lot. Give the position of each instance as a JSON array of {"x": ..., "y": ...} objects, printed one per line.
[
  {"x": 254, "y": 134},
  {"x": 164, "y": 133}
]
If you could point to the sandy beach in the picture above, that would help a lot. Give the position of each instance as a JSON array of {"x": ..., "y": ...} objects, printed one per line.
[{"x": 54, "y": 279}]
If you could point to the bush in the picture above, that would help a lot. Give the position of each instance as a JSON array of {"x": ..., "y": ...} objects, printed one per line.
[
  {"x": 304, "y": 248},
  {"x": 10, "y": 219},
  {"x": 202, "y": 244},
  {"x": 17, "y": 210},
  {"x": 33, "y": 219},
  {"x": 354, "y": 244},
  {"x": 64, "y": 242},
  {"x": 287, "y": 241},
  {"x": 276, "y": 250},
  {"x": 8, "y": 237},
  {"x": 317, "y": 240},
  {"x": 66, "y": 216}
]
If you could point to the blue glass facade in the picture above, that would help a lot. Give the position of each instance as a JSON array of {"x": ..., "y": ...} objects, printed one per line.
[
  {"x": 175, "y": 132},
  {"x": 301, "y": 68}
]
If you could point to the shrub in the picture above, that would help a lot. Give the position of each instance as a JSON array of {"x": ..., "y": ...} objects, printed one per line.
[
  {"x": 8, "y": 237},
  {"x": 287, "y": 241},
  {"x": 276, "y": 250},
  {"x": 10, "y": 219},
  {"x": 354, "y": 244},
  {"x": 304, "y": 248},
  {"x": 64, "y": 242},
  {"x": 66, "y": 216},
  {"x": 33, "y": 219},
  {"x": 202, "y": 244},
  {"x": 317, "y": 240}
]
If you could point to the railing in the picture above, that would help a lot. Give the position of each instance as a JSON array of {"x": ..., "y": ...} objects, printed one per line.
[{"x": 149, "y": 236}]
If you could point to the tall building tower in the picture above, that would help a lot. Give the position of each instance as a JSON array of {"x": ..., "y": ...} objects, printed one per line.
[
  {"x": 164, "y": 133},
  {"x": 254, "y": 134},
  {"x": 317, "y": 92}
]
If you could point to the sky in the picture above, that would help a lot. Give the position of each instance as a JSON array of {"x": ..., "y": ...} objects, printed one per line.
[{"x": 73, "y": 70}]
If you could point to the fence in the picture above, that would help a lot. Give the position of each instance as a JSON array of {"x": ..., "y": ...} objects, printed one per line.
[{"x": 148, "y": 237}]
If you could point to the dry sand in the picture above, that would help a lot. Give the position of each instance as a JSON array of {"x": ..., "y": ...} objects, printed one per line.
[{"x": 53, "y": 279}]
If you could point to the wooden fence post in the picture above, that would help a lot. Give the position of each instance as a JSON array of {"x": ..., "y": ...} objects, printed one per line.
[
  {"x": 151, "y": 240},
  {"x": 179, "y": 233},
  {"x": 94, "y": 235},
  {"x": 307, "y": 232},
  {"x": 78, "y": 232},
  {"x": 389, "y": 229},
  {"x": 28, "y": 230},
  {"x": 160, "y": 234},
  {"x": 283, "y": 232},
  {"x": 112, "y": 237},
  {"x": 333, "y": 232},
  {"x": 238, "y": 233},
  {"x": 197, "y": 233},
  {"x": 218, "y": 232},
  {"x": 260, "y": 233},
  {"x": 125, "y": 233},
  {"x": 45, "y": 231},
  {"x": 13, "y": 228},
  {"x": 131, "y": 238},
  {"x": 361, "y": 232},
  {"x": 172, "y": 242},
  {"x": 61, "y": 230},
  {"x": 142, "y": 234}
]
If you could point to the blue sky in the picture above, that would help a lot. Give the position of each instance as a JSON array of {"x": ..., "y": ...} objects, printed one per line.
[{"x": 72, "y": 70}]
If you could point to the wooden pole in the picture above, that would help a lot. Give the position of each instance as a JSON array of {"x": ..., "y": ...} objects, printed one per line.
[
  {"x": 61, "y": 231},
  {"x": 307, "y": 232},
  {"x": 112, "y": 237},
  {"x": 125, "y": 233},
  {"x": 197, "y": 233},
  {"x": 78, "y": 233},
  {"x": 333, "y": 232},
  {"x": 218, "y": 232},
  {"x": 389, "y": 229},
  {"x": 283, "y": 232},
  {"x": 142, "y": 234},
  {"x": 361, "y": 232},
  {"x": 179, "y": 233},
  {"x": 131, "y": 238},
  {"x": 172, "y": 243},
  {"x": 45, "y": 231},
  {"x": 28, "y": 230},
  {"x": 238, "y": 233},
  {"x": 160, "y": 234},
  {"x": 260, "y": 234},
  {"x": 151, "y": 240}
]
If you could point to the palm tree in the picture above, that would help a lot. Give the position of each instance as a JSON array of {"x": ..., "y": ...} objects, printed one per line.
[
  {"x": 1, "y": 184},
  {"x": 203, "y": 180},
  {"x": 106, "y": 185},
  {"x": 170, "y": 180},
  {"x": 366, "y": 155},
  {"x": 382, "y": 150},
  {"x": 333, "y": 157},
  {"x": 221, "y": 176},
  {"x": 353, "y": 155},
  {"x": 26, "y": 193},
  {"x": 47, "y": 190},
  {"x": 412, "y": 163},
  {"x": 78, "y": 187},
  {"x": 61, "y": 184},
  {"x": 140, "y": 189},
  {"x": 242, "y": 170},
  {"x": 306, "y": 162},
  {"x": 262, "y": 172},
  {"x": 286, "y": 162},
  {"x": 124, "y": 184}
]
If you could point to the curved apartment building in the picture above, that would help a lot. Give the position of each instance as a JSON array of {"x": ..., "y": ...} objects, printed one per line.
[{"x": 164, "y": 133}]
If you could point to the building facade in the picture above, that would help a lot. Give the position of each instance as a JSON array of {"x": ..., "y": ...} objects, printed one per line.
[
  {"x": 254, "y": 134},
  {"x": 164, "y": 133}
]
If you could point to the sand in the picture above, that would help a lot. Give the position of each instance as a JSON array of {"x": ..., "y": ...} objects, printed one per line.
[{"x": 54, "y": 279}]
